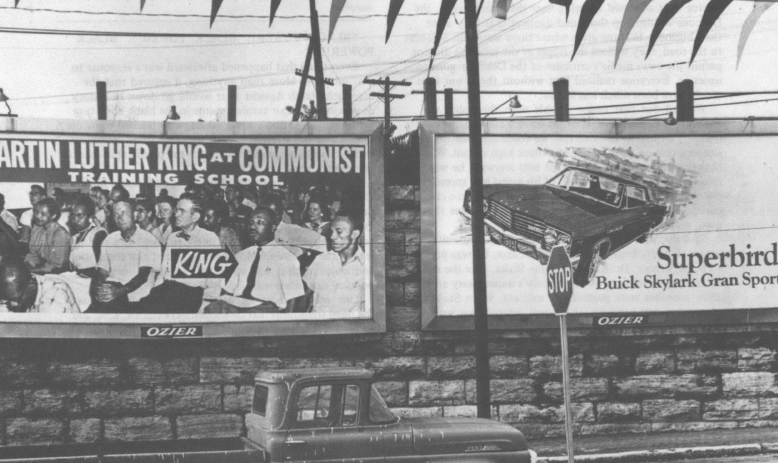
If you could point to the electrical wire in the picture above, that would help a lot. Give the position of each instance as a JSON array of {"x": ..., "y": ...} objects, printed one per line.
[
  {"x": 174, "y": 15},
  {"x": 20, "y": 30}
]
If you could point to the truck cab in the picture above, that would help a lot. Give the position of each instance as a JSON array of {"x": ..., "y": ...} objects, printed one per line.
[{"x": 332, "y": 414}]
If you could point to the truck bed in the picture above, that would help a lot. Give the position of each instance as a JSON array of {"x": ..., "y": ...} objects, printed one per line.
[{"x": 232, "y": 450}]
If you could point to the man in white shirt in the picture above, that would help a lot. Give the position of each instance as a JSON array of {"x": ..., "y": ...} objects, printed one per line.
[
  {"x": 267, "y": 279},
  {"x": 337, "y": 277},
  {"x": 183, "y": 295},
  {"x": 129, "y": 261}
]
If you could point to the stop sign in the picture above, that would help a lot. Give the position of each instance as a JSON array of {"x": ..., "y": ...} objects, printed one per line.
[{"x": 559, "y": 273}]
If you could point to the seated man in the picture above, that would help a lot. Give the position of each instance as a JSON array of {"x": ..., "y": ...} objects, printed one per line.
[
  {"x": 337, "y": 277},
  {"x": 303, "y": 242},
  {"x": 268, "y": 276},
  {"x": 37, "y": 193},
  {"x": 216, "y": 216},
  {"x": 24, "y": 292},
  {"x": 49, "y": 243},
  {"x": 129, "y": 261},
  {"x": 176, "y": 294},
  {"x": 144, "y": 214}
]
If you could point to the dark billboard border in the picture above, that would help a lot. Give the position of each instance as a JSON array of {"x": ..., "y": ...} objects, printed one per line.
[
  {"x": 122, "y": 326},
  {"x": 429, "y": 131}
]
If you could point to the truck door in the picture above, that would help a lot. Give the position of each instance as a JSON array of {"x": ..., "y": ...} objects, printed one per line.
[{"x": 326, "y": 425}]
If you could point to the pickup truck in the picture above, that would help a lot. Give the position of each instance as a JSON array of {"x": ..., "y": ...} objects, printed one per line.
[{"x": 323, "y": 415}]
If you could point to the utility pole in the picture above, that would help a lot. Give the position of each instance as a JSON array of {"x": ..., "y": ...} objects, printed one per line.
[
  {"x": 481, "y": 317},
  {"x": 387, "y": 98},
  {"x": 321, "y": 98},
  {"x": 386, "y": 94},
  {"x": 304, "y": 76}
]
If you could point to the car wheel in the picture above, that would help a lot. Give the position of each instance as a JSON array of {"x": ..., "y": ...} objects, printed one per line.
[{"x": 589, "y": 264}]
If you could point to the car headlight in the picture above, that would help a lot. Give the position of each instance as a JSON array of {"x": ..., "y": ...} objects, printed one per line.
[
  {"x": 533, "y": 456},
  {"x": 565, "y": 240},
  {"x": 550, "y": 237}
]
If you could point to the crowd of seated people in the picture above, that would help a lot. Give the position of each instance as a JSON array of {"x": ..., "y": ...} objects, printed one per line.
[{"x": 296, "y": 251}]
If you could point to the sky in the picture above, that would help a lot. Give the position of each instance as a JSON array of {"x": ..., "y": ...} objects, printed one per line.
[{"x": 53, "y": 76}]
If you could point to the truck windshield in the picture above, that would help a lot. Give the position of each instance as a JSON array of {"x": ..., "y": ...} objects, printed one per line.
[{"x": 379, "y": 412}]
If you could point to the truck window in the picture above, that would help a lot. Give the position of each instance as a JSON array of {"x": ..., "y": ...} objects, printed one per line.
[
  {"x": 379, "y": 412},
  {"x": 313, "y": 406},
  {"x": 350, "y": 405},
  {"x": 260, "y": 400}
]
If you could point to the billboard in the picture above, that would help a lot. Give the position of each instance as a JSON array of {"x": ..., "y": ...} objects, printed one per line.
[
  {"x": 251, "y": 220},
  {"x": 663, "y": 224}
]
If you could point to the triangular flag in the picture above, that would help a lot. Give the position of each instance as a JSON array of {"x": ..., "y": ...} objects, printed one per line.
[
  {"x": 500, "y": 8},
  {"x": 142, "y": 3},
  {"x": 335, "y": 8},
  {"x": 446, "y": 7},
  {"x": 215, "y": 4},
  {"x": 748, "y": 26},
  {"x": 273, "y": 8},
  {"x": 564, "y": 3},
  {"x": 588, "y": 11},
  {"x": 16, "y": 3},
  {"x": 667, "y": 13},
  {"x": 634, "y": 9},
  {"x": 712, "y": 12},
  {"x": 391, "y": 16}
]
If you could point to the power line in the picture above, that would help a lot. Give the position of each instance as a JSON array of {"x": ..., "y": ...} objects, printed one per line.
[
  {"x": 174, "y": 15},
  {"x": 18, "y": 30}
]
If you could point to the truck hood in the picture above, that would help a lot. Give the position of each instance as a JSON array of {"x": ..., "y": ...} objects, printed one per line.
[
  {"x": 558, "y": 208},
  {"x": 464, "y": 435}
]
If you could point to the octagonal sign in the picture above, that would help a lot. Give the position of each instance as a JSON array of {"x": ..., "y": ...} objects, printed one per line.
[{"x": 559, "y": 273}]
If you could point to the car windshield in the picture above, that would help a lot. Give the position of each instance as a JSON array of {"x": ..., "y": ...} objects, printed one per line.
[
  {"x": 590, "y": 185},
  {"x": 379, "y": 412}
]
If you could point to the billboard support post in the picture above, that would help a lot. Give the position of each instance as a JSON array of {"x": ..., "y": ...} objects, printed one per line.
[
  {"x": 430, "y": 99},
  {"x": 102, "y": 105},
  {"x": 232, "y": 103},
  {"x": 561, "y": 100},
  {"x": 685, "y": 100},
  {"x": 448, "y": 102}
]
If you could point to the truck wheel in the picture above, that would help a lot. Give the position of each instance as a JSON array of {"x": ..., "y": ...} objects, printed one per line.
[{"x": 589, "y": 263}]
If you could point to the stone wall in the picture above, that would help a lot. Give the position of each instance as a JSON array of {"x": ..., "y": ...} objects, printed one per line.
[{"x": 630, "y": 380}]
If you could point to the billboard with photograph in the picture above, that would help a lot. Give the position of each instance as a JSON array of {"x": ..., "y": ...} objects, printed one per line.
[
  {"x": 663, "y": 224},
  {"x": 127, "y": 229}
]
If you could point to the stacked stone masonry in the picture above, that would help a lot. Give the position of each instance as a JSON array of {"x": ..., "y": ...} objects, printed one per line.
[{"x": 633, "y": 381}]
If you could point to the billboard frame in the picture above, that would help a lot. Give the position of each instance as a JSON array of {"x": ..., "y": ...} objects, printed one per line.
[
  {"x": 131, "y": 326},
  {"x": 430, "y": 131}
]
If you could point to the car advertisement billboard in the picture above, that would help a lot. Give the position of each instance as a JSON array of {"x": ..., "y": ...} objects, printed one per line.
[
  {"x": 660, "y": 220},
  {"x": 188, "y": 230}
]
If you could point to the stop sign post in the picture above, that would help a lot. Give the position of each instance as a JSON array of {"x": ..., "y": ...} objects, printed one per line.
[{"x": 559, "y": 277}]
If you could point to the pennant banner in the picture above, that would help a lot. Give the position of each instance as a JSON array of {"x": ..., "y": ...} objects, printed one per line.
[
  {"x": 335, "y": 8},
  {"x": 635, "y": 8},
  {"x": 142, "y": 3},
  {"x": 564, "y": 3},
  {"x": 667, "y": 13},
  {"x": 712, "y": 12},
  {"x": 273, "y": 8},
  {"x": 588, "y": 11},
  {"x": 215, "y": 5},
  {"x": 446, "y": 7},
  {"x": 748, "y": 26},
  {"x": 391, "y": 16},
  {"x": 500, "y": 8}
]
